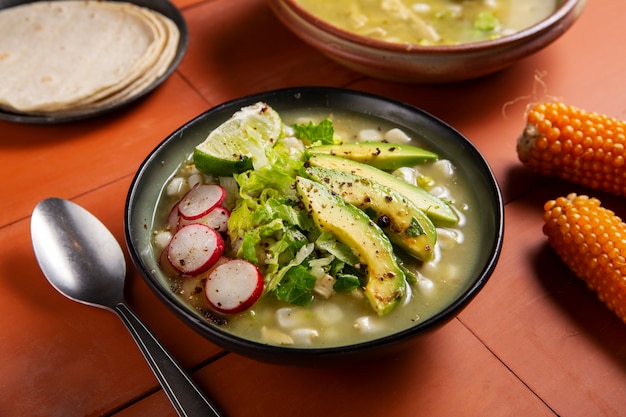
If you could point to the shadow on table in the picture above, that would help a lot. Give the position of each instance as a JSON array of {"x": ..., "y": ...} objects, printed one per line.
[{"x": 575, "y": 300}]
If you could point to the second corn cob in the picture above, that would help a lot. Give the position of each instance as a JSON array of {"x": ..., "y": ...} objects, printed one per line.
[
  {"x": 591, "y": 240},
  {"x": 575, "y": 145}
]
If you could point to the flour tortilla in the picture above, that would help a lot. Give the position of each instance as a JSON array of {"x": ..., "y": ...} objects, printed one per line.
[
  {"x": 157, "y": 68},
  {"x": 64, "y": 57}
]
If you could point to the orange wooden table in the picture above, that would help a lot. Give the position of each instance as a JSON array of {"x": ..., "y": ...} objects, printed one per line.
[{"x": 535, "y": 342}]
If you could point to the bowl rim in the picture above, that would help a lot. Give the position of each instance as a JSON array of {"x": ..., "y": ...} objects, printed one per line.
[
  {"x": 564, "y": 9},
  {"x": 299, "y": 355}
]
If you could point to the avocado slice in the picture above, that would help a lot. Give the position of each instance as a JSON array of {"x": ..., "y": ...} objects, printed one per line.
[
  {"x": 436, "y": 209},
  {"x": 405, "y": 224},
  {"x": 386, "y": 281},
  {"x": 383, "y": 155}
]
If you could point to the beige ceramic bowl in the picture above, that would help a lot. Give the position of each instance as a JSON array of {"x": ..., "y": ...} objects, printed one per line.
[{"x": 424, "y": 64}]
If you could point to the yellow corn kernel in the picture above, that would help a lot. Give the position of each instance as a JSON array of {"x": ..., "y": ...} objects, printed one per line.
[
  {"x": 581, "y": 147},
  {"x": 591, "y": 240}
]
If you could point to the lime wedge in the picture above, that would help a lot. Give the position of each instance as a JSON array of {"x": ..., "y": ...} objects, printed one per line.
[{"x": 239, "y": 143}]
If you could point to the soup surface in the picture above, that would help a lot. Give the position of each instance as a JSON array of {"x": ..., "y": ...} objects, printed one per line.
[
  {"x": 431, "y": 22},
  {"x": 338, "y": 318}
]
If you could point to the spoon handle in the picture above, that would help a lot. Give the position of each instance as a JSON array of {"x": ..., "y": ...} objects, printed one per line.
[{"x": 184, "y": 394}]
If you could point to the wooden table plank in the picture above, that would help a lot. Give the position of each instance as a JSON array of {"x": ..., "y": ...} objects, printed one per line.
[
  {"x": 247, "y": 50},
  {"x": 70, "y": 159},
  {"x": 443, "y": 375}
]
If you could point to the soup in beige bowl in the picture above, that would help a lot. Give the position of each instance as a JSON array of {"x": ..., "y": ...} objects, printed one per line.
[
  {"x": 428, "y": 41},
  {"x": 431, "y": 22}
]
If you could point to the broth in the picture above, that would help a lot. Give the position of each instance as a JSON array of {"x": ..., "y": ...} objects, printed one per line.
[
  {"x": 431, "y": 22},
  {"x": 346, "y": 318}
]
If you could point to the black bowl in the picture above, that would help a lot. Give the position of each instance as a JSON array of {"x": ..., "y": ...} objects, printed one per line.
[
  {"x": 162, "y": 6},
  {"x": 159, "y": 166}
]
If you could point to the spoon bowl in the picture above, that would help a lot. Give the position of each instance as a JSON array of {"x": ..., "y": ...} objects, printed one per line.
[
  {"x": 63, "y": 236},
  {"x": 83, "y": 261}
]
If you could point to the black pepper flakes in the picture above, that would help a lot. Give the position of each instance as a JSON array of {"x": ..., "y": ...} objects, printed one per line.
[{"x": 383, "y": 221}]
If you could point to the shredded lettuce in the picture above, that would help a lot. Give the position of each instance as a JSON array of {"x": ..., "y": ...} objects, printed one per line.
[
  {"x": 270, "y": 180},
  {"x": 346, "y": 282},
  {"x": 296, "y": 286},
  {"x": 269, "y": 227},
  {"x": 316, "y": 134},
  {"x": 328, "y": 243}
]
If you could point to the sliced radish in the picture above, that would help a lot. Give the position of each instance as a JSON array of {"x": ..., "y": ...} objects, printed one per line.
[
  {"x": 200, "y": 200},
  {"x": 234, "y": 286},
  {"x": 195, "y": 248},
  {"x": 166, "y": 265},
  {"x": 173, "y": 218},
  {"x": 216, "y": 219}
]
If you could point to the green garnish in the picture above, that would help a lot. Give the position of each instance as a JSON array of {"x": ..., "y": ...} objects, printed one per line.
[
  {"x": 272, "y": 229},
  {"x": 316, "y": 134},
  {"x": 486, "y": 22},
  {"x": 414, "y": 229},
  {"x": 296, "y": 285},
  {"x": 346, "y": 282}
]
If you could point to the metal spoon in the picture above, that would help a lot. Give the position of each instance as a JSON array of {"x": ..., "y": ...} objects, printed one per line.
[{"x": 82, "y": 259}]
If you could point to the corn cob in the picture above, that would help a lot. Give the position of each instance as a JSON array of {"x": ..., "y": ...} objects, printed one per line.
[
  {"x": 591, "y": 240},
  {"x": 578, "y": 146}
]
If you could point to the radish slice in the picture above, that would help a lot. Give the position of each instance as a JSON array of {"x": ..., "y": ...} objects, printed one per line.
[
  {"x": 200, "y": 200},
  {"x": 166, "y": 265},
  {"x": 216, "y": 219},
  {"x": 194, "y": 249},
  {"x": 234, "y": 286},
  {"x": 173, "y": 218}
]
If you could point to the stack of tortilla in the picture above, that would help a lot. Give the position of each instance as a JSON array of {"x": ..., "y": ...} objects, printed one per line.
[{"x": 69, "y": 57}]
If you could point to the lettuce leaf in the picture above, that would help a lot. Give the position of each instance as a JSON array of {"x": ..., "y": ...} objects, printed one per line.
[
  {"x": 313, "y": 134},
  {"x": 346, "y": 282},
  {"x": 296, "y": 286},
  {"x": 328, "y": 243}
]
